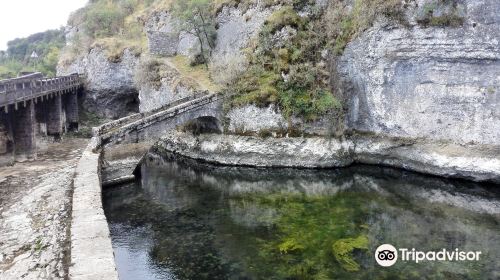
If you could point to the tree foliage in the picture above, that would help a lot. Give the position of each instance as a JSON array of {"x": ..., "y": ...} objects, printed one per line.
[
  {"x": 47, "y": 46},
  {"x": 195, "y": 17}
]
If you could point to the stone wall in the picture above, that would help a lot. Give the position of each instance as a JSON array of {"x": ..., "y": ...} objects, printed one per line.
[
  {"x": 161, "y": 43},
  {"x": 92, "y": 254},
  {"x": 438, "y": 83}
]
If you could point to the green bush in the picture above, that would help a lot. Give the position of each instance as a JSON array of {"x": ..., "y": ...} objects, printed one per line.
[
  {"x": 103, "y": 20},
  {"x": 292, "y": 75},
  {"x": 46, "y": 44},
  {"x": 281, "y": 18}
]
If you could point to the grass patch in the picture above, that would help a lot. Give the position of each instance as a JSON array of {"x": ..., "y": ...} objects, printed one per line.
[
  {"x": 114, "y": 47},
  {"x": 343, "y": 24},
  {"x": 38, "y": 245},
  {"x": 198, "y": 73},
  {"x": 281, "y": 18}
]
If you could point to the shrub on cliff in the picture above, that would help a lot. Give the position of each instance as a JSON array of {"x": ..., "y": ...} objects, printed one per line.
[
  {"x": 103, "y": 19},
  {"x": 195, "y": 18},
  {"x": 148, "y": 73},
  {"x": 289, "y": 72},
  {"x": 111, "y": 25}
]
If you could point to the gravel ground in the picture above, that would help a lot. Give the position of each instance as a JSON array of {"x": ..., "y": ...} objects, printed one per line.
[{"x": 35, "y": 211}]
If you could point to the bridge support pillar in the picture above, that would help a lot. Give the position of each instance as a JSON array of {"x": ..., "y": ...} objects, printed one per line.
[
  {"x": 6, "y": 139},
  {"x": 24, "y": 131},
  {"x": 72, "y": 110},
  {"x": 55, "y": 116}
]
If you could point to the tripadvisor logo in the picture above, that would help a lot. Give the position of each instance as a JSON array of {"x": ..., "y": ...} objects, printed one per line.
[{"x": 387, "y": 255}]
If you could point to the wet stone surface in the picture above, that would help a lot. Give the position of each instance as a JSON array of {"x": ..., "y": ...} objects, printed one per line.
[{"x": 35, "y": 204}]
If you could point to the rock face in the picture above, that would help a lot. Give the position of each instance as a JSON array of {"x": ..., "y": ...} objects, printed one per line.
[
  {"x": 478, "y": 163},
  {"x": 256, "y": 151},
  {"x": 237, "y": 27},
  {"x": 172, "y": 88},
  {"x": 110, "y": 89},
  {"x": 164, "y": 37},
  {"x": 438, "y": 83},
  {"x": 252, "y": 119}
]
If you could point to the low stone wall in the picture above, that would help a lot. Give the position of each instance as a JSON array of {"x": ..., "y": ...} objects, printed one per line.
[
  {"x": 474, "y": 162},
  {"x": 120, "y": 161},
  {"x": 92, "y": 254}
]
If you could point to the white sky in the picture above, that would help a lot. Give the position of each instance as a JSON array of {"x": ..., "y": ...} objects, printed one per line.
[{"x": 21, "y": 18}]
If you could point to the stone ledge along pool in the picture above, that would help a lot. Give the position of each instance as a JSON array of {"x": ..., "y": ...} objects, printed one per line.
[{"x": 187, "y": 220}]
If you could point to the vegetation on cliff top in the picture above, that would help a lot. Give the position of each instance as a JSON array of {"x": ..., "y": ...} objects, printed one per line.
[{"x": 112, "y": 25}]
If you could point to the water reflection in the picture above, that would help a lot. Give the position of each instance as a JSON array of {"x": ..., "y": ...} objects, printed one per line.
[{"x": 186, "y": 220}]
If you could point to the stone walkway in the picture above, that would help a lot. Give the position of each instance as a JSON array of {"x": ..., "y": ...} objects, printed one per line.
[{"x": 35, "y": 204}]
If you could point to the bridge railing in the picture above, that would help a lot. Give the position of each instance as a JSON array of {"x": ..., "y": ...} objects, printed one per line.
[
  {"x": 107, "y": 127},
  {"x": 32, "y": 86}
]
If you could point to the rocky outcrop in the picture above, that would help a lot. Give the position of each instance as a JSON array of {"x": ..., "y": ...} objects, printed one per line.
[
  {"x": 474, "y": 162},
  {"x": 109, "y": 90},
  {"x": 424, "y": 81},
  {"x": 261, "y": 152},
  {"x": 172, "y": 86},
  {"x": 164, "y": 37},
  {"x": 252, "y": 119}
]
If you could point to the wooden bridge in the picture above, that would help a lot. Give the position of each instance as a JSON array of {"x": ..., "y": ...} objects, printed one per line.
[
  {"x": 33, "y": 87},
  {"x": 32, "y": 105}
]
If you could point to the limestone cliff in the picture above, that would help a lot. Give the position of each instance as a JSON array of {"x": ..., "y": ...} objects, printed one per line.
[
  {"x": 109, "y": 89},
  {"x": 433, "y": 82},
  {"x": 428, "y": 72}
]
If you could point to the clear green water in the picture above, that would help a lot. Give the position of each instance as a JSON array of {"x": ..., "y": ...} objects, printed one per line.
[{"x": 191, "y": 221}]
